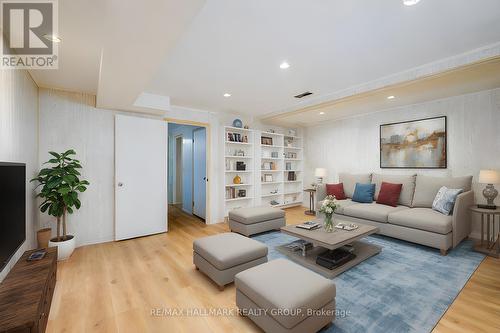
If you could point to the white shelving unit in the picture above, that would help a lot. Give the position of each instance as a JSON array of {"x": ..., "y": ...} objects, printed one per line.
[
  {"x": 275, "y": 157},
  {"x": 238, "y": 151}
]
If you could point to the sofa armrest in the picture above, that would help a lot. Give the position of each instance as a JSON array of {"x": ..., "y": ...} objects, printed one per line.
[
  {"x": 462, "y": 217},
  {"x": 320, "y": 195}
]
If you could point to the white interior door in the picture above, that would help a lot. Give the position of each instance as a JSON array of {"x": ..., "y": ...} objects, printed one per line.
[
  {"x": 140, "y": 176},
  {"x": 199, "y": 172}
]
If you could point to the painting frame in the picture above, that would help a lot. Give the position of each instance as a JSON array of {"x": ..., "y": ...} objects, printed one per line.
[{"x": 445, "y": 146}]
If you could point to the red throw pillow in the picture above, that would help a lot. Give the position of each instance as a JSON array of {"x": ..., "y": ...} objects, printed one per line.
[
  {"x": 336, "y": 190},
  {"x": 389, "y": 194}
]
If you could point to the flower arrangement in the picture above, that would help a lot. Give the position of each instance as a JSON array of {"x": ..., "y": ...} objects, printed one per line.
[{"x": 328, "y": 208}]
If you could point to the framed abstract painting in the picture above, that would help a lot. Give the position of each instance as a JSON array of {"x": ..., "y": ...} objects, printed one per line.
[{"x": 416, "y": 144}]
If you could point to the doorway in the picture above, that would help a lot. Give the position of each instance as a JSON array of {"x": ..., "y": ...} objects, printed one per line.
[{"x": 187, "y": 159}]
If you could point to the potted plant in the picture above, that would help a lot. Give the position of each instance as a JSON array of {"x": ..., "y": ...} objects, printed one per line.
[{"x": 60, "y": 185}]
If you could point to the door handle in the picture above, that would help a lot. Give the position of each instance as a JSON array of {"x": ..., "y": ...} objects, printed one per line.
[{"x": 120, "y": 184}]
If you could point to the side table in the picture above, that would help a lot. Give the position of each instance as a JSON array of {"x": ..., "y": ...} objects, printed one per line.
[
  {"x": 310, "y": 211},
  {"x": 490, "y": 245}
]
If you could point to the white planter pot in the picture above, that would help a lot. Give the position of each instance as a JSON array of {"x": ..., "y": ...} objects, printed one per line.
[{"x": 64, "y": 248}]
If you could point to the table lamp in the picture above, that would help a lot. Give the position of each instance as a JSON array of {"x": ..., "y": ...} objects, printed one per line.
[
  {"x": 320, "y": 173},
  {"x": 489, "y": 177}
]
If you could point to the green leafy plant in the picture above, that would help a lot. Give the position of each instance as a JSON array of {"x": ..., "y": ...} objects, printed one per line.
[{"x": 60, "y": 185}]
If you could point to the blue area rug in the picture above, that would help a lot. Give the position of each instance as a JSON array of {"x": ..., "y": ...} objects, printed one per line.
[{"x": 405, "y": 288}]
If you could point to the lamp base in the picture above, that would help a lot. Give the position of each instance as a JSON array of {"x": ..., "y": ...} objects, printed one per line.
[{"x": 492, "y": 207}]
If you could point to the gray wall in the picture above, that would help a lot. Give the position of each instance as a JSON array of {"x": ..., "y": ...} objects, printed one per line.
[
  {"x": 18, "y": 141},
  {"x": 352, "y": 145}
]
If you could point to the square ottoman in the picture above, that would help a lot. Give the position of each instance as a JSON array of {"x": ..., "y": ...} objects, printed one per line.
[
  {"x": 254, "y": 220},
  {"x": 281, "y": 296},
  {"x": 221, "y": 256}
]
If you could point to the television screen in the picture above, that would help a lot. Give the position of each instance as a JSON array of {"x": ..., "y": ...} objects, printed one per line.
[{"x": 12, "y": 209}]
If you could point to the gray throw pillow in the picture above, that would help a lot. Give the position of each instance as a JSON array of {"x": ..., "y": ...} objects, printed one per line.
[{"x": 445, "y": 200}]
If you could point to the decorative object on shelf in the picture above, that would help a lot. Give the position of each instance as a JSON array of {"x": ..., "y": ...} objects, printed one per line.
[
  {"x": 274, "y": 154},
  {"x": 242, "y": 193},
  {"x": 328, "y": 208},
  {"x": 43, "y": 237},
  {"x": 237, "y": 180},
  {"x": 292, "y": 176},
  {"x": 241, "y": 166},
  {"x": 288, "y": 166},
  {"x": 290, "y": 155},
  {"x": 246, "y": 127},
  {"x": 239, "y": 152},
  {"x": 266, "y": 140},
  {"x": 268, "y": 178},
  {"x": 292, "y": 132},
  {"x": 274, "y": 202},
  {"x": 271, "y": 131},
  {"x": 237, "y": 123},
  {"x": 228, "y": 165},
  {"x": 489, "y": 177},
  {"x": 60, "y": 187},
  {"x": 289, "y": 142},
  {"x": 417, "y": 144},
  {"x": 245, "y": 139},
  {"x": 275, "y": 191},
  {"x": 320, "y": 174}
]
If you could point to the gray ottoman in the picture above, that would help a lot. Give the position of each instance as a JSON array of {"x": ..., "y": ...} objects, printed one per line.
[
  {"x": 254, "y": 220},
  {"x": 281, "y": 296},
  {"x": 224, "y": 255}
]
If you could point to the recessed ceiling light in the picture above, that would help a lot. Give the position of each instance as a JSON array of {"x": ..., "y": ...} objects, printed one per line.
[
  {"x": 227, "y": 95},
  {"x": 284, "y": 65},
  {"x": 321, "y": 113},
  {"x": 52, "y": 38},
  {"x": 391, "y": 97},
  {"x": 410, "y": 2}
]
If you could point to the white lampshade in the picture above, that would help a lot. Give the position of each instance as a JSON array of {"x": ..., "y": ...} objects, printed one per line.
[
  {"x": 320, "y": 172},
  {"x": 489, "y": 177}
]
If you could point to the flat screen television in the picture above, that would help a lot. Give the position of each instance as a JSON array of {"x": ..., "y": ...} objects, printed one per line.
[{"x": 12, "y": 209}]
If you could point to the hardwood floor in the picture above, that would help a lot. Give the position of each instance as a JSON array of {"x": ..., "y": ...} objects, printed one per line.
[{"x": 114, "y": 287}]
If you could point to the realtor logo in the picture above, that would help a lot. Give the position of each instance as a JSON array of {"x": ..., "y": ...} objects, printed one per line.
[{"x": 28, "y": 34}]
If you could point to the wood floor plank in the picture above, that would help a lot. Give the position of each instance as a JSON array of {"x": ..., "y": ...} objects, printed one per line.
[{"x": 114, "y": 287}]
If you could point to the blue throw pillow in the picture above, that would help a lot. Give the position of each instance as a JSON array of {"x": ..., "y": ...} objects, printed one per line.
[
  {"x": 364, "y": 193},
  {"x": 445, "y": 200}
]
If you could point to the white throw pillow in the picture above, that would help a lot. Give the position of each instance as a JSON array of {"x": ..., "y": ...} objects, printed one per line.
[{"x": 445, "y": 200}]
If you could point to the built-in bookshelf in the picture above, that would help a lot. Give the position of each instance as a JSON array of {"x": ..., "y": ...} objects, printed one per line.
[
  {"x": 273, "y": 172},
  {"x": 239, "y": 168}
]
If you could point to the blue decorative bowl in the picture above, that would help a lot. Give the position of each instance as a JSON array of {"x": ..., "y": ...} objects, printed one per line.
[{"x": 237, "y": 123}]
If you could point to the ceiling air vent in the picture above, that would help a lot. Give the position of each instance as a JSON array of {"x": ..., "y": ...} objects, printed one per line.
[{"x": 304, "y": 94}]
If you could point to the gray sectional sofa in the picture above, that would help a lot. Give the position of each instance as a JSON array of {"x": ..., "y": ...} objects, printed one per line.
[{"x": 413, "y": 219}]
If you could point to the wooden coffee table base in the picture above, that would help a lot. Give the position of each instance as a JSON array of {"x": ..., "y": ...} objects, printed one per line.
[{"x": 362, "y": 250}]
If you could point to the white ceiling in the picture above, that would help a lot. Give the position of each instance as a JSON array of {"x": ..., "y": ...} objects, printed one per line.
[
  {"x": 196, "y": 50},
  {"x": 237, "y": 46},
  {"x": 480, "y": 76}
]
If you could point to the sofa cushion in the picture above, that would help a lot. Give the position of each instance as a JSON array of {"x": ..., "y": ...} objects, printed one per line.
[
  {"x": 445, "y": 200},
  {"x": 271, "y": 287},
  {"x": 389, "y": 194},
  {"x": 341, "y": 204},
  {"x": 407, "y": 190},
  {"x": 372, "y": 211},
  {"x": 336, "y": 190},
  {"x": 229, "y": 249},
  {"x": 422, "y": 219},
  {"x": 251, "y": 215},
  {"x": 350, "y": 180},
  {"x": 364, "y": 193},
  {"x": 427, "y": 187}
]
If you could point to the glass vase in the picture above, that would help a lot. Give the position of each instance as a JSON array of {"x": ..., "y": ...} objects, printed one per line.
[{"x": 329, "y": 223}]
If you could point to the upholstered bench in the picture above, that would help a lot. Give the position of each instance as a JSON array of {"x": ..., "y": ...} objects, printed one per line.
[
  {"x": 281, "y": 296},
  {"x": 221, "y": 256},
  {"x": 254, "y": 220}
]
